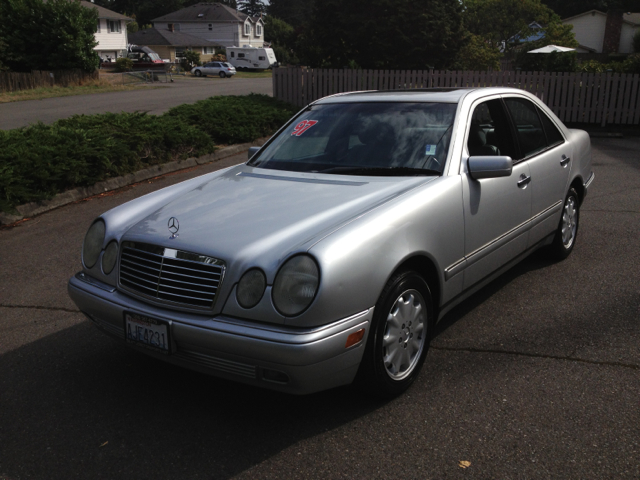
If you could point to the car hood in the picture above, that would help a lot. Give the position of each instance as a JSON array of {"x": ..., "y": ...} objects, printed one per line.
[{"x": 261, "y": 216}]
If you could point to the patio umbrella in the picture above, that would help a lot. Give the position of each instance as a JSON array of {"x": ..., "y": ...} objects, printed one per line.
[{"x": 551, "y": 49}]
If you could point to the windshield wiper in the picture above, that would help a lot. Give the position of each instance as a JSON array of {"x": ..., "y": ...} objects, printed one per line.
[{"x": 381, "y": 171}]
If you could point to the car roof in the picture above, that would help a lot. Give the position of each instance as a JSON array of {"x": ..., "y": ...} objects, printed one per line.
[{"x": 437, "y": 95}]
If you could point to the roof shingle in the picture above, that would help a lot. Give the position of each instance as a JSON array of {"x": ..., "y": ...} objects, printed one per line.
[{"x": 205, "y": 12}]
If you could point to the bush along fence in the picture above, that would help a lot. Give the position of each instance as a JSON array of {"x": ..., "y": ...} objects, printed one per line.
[
  {"x": 12, "y": 81},
  {"x": 40, "y": 161},
  {"x": 604, "y": 98}
]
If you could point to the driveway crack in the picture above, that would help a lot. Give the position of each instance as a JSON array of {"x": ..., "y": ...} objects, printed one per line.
[
  {"x": 536, "y": 355},
  {"x": 37, "y": 307}
]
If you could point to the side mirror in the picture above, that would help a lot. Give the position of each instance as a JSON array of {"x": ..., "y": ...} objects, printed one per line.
[
  {"x": 490, "y": 167},
  {"x": 252, "y": 152}
]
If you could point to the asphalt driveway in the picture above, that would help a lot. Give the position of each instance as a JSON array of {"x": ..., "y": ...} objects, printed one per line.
[
  {"x": 155, "y": 99},
  {"x": 535, "y": 376}
]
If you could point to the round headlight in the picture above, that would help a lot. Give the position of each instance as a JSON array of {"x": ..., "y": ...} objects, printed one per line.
[
  {"x": 296, "y": 285},
  {"x": 92, "y": 245},
  {"x": 109, "y": 258},
  {"x": 250, "y": 288}
]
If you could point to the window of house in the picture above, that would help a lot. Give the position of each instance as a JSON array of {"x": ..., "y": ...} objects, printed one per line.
[
  {"x": 98, "y": 26},
  {"x": 113, "y": 26},
  {"x": 208, "y": 50},
  {"x": 258, "y": 30},
  {"x": 180, "y": 52},
  {"x": 247, "y": 29}
]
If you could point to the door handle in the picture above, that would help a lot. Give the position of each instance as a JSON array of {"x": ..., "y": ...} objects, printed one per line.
[
  {"x": 523, "y": 181},
  {"x": 565, "y": 160}
]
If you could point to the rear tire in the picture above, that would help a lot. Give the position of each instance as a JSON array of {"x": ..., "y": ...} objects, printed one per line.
[
  {"x": 567, "y": 232},
  {"x": 222, "y": 75},
  {"x": 399, "y": 338}
]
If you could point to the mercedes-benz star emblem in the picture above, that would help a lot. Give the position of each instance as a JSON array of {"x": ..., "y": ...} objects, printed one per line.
[{"x": 174, "y": 226}]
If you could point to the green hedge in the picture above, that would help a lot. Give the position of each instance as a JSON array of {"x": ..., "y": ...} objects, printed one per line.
[{"x": 39, "y": 161}]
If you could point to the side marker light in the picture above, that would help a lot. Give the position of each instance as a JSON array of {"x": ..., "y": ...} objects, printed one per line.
[{"x": 355, "y": 337}]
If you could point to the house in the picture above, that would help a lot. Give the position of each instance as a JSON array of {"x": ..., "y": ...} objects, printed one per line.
[
  {"x": 599, "y": 32},
  {"x": 112, "y": 32},
  {"x": 171, "y": 45},
  {"x": 216, "y": 23}
]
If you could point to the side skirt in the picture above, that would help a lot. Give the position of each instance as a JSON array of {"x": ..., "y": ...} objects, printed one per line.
[{"x": 492, "y": 276}]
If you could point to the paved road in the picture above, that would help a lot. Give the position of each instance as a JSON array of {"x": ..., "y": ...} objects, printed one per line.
[
  {"x": 151, "y": 100},
  {"x": 535, "y": 376}
]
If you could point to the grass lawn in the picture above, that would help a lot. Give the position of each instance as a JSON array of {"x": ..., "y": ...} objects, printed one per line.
[{"x": 49, "y": 92}]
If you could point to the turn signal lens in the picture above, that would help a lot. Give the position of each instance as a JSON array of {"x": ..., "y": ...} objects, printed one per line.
[{"x": 355, "y": 337}]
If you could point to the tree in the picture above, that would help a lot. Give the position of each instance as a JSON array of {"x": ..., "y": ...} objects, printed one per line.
[
  {"x": 569, "y": 8},
  {"x": 282, "y": 38},
  {"x": 253, "y": 8},
  {"x": 58, "y": 34},
  {"x": 415, "y": 34},
  {"x": 478, "y": 55},
  {"x": 294, "y": 12},
  {"x": 504, "y": 24}
]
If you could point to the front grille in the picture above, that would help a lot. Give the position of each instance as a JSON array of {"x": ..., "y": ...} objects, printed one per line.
[{"x": 169, "y": 275}]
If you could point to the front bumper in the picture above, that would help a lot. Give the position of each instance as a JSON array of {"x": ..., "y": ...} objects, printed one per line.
[{"x": 304, "y": 360}]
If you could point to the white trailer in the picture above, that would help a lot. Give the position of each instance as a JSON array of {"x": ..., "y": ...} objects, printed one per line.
[{"x": 252, "y": 58}]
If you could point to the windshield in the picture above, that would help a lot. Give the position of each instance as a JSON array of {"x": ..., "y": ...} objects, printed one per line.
[
  {"x": 364, "y": 139},
  {"x": 154, "y": 56}
]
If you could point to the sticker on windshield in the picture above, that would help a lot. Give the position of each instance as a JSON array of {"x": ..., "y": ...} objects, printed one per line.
[
  {"x": 430, "y": 150},
  {"x": 303, "y": 126}
]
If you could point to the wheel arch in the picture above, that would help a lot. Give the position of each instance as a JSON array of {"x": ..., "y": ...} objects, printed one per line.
[
  {"x": 427, "y": 269},
  {"x": 578, "y": 185}
]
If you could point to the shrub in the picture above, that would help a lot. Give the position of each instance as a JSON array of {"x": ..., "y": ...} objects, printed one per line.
[
  {"x": 592, "y": 66},
  {"x": 124, "y": 64},
  {"x": 38, "y": 161},
  {"x": 238, "y": 119}
]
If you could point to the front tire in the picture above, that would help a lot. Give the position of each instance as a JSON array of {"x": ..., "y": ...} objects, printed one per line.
[
  {"x": 567, "y": 232},
  {"x": 198, "y": 73},
  {"x": 399, "y": 338}
]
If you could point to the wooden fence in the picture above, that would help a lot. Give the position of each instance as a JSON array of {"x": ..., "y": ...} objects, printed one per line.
[
  {"x": 11, "y": 81},
  {"x": 604, "y": 98}
]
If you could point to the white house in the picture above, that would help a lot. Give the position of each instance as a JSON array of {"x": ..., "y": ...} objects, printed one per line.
[
  {"x": 216, "y": 23},
  {"x": 595, "y": 34},
  {"x": 112, "y": 32}
]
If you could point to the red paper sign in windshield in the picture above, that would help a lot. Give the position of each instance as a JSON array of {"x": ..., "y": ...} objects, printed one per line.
[{"x": 303, "y": 126}]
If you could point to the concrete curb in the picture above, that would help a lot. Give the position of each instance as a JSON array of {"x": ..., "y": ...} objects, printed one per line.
[{"x": 36, "y": 208}]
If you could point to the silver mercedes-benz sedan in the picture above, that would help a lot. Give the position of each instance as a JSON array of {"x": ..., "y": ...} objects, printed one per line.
[{"x": 329, "y": 256}]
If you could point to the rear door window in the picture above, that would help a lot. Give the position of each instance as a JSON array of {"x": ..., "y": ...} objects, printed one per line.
[
  {"x": 529, "y": 130},
  {"x": 554, "y": 137}
]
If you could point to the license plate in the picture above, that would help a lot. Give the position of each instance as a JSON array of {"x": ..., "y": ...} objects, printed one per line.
[{"x": 147, "y": 332}]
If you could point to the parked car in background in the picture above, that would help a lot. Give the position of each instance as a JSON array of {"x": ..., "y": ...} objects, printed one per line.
[
  {"x": 331, "y": 254},
  {"x": 144, "y": 58},
  {"x": 222, "y": 69}
]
